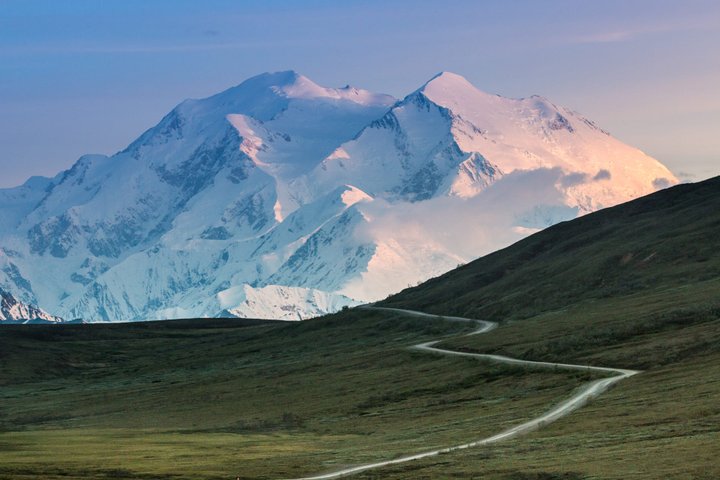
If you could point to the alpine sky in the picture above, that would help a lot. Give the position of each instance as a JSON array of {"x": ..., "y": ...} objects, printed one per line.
[{"x": 86, "y": 76}]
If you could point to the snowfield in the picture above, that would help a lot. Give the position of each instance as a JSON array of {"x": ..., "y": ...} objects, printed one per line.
[{"x": 279, "y": 198}]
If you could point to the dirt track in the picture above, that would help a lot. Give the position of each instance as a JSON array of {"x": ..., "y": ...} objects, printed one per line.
[{"x": 590, "y": 390}]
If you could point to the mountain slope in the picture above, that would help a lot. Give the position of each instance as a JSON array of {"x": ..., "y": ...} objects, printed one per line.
[
  {"x": 636, "y": 285},
  {"x": 12, "y": 311},
  {"x": 281, "y": 188},
  {"x": 450, "y": 138}
]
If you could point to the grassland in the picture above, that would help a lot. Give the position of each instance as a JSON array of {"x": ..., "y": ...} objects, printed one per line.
[
  {"x": 215, "y": 399},
  {"x": 636, "y": 286},
  {"x": 661, "y": 424}
]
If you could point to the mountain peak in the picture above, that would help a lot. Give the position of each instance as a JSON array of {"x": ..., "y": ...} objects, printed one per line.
[
  {"x": 446, "y": 77},
  {"x": 268, "y": 93},
  {"x": 448, "y": 86},
  {"x": 292, "y": 85},
  {"x": 284, "y": 184},
  {"x": 284, "y": 77},
  {"x": 448, "y": 81},
  {"x": 287, "y": 83}
]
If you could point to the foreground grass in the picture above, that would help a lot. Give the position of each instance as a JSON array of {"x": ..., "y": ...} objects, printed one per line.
[
  {"x": 263, "y": 400},
  {"x": 635, "y": 286},
  {"x": 663, "y": 423}
]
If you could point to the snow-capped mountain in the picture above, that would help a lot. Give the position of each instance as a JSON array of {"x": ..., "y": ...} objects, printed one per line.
[
  {"x": 279, "y": 198},
  {"x": 12, "y": 311}
]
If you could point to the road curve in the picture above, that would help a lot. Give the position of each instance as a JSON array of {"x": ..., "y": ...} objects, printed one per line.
[{"x": 589, "y": 391}]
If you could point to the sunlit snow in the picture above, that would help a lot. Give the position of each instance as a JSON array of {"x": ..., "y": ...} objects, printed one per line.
[{"x": 279, "y": 198}]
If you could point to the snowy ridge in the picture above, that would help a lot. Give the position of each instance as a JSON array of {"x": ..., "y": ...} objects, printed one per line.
[
  {"x": 280, "y": 198},
  {"x": 12, "y": 311},
  {"x": 289, "y": 303}
]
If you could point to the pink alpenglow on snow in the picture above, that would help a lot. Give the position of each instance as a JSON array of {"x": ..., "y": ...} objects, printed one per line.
[{"x": 280, "y": 198}]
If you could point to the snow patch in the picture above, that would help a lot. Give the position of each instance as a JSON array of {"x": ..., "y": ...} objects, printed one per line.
[
  {"x": 353, "y": 195},
  {"x": 280, "y": 302}
]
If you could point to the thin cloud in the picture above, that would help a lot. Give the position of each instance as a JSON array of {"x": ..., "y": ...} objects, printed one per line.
[
  {"x": 631, "y": 33},
  {"x": 606, "y": 37},
  {"x": 602, "y": 175},
  {"x": 686, "y": 176},
  {"x": 573, "y": 179},
  {"x": 661, "y": 183},
  {"x": 516, "y": 199}
]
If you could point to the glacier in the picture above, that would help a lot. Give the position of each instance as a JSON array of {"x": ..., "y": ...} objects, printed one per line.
[{"x": 280, "y": 198}]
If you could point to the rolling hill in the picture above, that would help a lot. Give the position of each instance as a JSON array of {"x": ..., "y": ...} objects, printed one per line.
[
  {"x": 635, "y": 286},
  {"x": 664, "y": 241}
]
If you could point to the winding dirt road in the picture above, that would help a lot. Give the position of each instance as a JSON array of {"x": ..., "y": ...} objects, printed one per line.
[{"x": 589, "y": 391}]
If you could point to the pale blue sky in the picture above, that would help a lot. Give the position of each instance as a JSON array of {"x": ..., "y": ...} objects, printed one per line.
[{"x": 88, "y": 76}]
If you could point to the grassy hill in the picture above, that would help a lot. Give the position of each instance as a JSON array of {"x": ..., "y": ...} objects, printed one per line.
[
  {"x": 645, "y": 273},
  {"x": 666, "y": 240},
  {"x": 635, "y": 286}
]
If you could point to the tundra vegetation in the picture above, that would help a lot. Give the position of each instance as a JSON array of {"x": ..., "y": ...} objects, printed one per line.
[{"x": 636, "y": 286}]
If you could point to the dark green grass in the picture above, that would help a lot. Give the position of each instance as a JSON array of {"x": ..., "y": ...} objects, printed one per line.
[
  {"x": 667, "y": 240},
  {"x": 663, "y": 423},
  {"x": 261, "y": 399},
  {"x": 636, "y": 286}
]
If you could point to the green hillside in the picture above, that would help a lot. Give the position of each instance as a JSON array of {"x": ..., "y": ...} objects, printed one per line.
[
  {"x": 635, "y": 286},
  {"x": 667, "y": 240}
]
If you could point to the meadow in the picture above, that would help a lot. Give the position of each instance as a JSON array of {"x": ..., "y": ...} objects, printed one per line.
[{"x": 636, "y": 286}]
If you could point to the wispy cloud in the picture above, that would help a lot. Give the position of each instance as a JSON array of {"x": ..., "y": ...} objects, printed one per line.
[
  {"x": 686, "y": 176},
  {"x": 605, "y": 37},
  {"x": 634, "y": 32}
]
